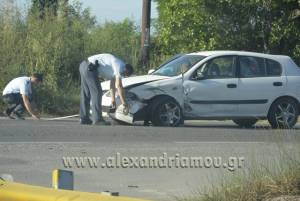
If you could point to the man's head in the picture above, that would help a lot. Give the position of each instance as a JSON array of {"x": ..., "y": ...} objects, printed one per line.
[
  {"x": 37, "y": 78},
  {"x": 128, "y": 70}
]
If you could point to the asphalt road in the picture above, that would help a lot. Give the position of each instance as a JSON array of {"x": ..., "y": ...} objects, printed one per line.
[{"x": 31, "y": 150}]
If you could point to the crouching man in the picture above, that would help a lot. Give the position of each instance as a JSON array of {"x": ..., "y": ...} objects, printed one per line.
[
  {"x": 110, "y": 68},
  {"x": 17, "y": 95}
]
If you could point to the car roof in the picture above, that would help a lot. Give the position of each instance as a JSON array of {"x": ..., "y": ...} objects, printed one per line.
[
  {"x": 228, "y": 52},
  {"x": 286, "y": 61}
]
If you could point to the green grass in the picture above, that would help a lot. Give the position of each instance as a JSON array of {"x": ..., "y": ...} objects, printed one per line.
[
  {"x": 61, "y": 102},
  {"x": 55, "y": 103},
  {"x": 258, "y": 183}
]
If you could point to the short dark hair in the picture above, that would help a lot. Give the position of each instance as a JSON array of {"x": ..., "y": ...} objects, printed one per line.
[
  {"x": 129, "y": 68},
  {"x": 38, "y": 76}
]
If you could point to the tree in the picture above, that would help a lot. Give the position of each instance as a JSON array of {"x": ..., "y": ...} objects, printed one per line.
[
  {"x": 183, "y": 25},
  {"x": 119, "y": 38},
  {"x": 270, "y": 26},
  {"x": 257, "y": 25},
  {"x": 55, "y": 45},
  {"x": 44, "y": 6}
]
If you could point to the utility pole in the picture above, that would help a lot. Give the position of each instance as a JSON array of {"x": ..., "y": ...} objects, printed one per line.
[{"x": 145, "y": 33}]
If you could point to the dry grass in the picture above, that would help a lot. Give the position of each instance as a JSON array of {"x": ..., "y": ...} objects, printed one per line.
[{"x": 258, "y": 183}]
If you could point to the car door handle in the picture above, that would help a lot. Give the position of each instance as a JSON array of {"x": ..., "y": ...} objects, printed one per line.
[
  {"x": 231, "y": 86},
  {"x": 277, "y": 84}
]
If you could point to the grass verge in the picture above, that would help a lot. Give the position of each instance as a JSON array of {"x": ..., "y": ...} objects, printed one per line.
[
  {"x": 59, "y": 103},
  {"x": 55, "y": 103},
  {"x": 258, "y": 183}
]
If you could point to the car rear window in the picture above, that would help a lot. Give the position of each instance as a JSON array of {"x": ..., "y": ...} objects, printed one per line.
[
  {"x": 273, "y": 68},
  {"x": 251, "y": 67}
]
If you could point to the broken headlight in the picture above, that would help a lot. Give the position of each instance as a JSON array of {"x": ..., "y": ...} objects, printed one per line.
[
  {"x": 131, "y": 96},
  {"x": 107, "y": 93}
]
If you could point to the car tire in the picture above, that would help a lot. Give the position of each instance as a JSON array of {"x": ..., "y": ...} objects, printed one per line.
[
  {"x": 284, "y": 113},
  {"x": 165, "y": 111},
  {"x": 245, "y": 123}
]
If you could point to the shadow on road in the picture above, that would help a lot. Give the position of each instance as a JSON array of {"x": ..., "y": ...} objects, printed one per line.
[{"x": 188, "y": 124}]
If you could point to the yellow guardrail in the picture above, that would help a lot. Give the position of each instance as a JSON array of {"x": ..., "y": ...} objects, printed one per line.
[{"x": 10, "y": 191}]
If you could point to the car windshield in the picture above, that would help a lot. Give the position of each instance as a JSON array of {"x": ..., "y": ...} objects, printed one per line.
[{"x": 179, "y": 65}]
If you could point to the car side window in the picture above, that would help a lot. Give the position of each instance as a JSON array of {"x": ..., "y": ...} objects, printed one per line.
[
  {"x": 273, "y": 68},
  {"x": 251, "y": 67},
  {"x": 220, "y": 67}
]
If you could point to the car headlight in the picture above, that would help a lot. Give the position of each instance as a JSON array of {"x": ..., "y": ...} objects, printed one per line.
[
  {"x": 131, "y": 96},
  {"x": 107, "y": 93}
]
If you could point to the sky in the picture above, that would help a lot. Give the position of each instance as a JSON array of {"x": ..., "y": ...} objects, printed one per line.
[{"x": 111, "y": 10}]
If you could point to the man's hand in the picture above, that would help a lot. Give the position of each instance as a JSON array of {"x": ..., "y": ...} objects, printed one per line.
[
  {"x": 29, "y": 108},
  {"x": 113, "y": 104},
  {"x": 120, "y": 89},
  {"x": 126, "y": 109}
]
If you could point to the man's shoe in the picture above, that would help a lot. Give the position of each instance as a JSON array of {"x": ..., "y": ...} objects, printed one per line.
[
  {"x": 17, "y": 116},
  {"x": 8, "y": 114},
  {"x": 86, "y": 122},
  {"x": 101, "y": 123}
]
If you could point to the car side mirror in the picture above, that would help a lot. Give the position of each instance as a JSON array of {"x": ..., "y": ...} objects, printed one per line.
[
  {"x": 151, "y": 71},
  {"x": 199, "y": 76}
]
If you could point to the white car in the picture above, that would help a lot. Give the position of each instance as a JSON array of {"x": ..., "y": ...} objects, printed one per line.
[{"x": 217, "y": 85}]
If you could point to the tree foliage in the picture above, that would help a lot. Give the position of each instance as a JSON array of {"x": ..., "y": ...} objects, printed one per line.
[
  {"x": 55, "y": 44},
  {"x": 54, "y": 36},
  {"x": 121, "y": 39},
  {"x": 270, "y": 26},
  {"x": 42, "y": 7},
  {"x": 184, "y": 26}
]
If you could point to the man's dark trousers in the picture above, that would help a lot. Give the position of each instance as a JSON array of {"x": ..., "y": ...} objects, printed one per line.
[
  {"x": 91, "y": 91},
  {"x": 15, "y": 103}
]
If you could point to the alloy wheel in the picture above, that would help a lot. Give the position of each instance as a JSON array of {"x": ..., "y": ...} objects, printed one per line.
[
  {"x": 170, "y": 114},
  {"x": 285, "y": 114}
]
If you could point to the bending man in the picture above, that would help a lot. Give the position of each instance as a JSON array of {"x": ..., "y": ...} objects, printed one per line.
[{"x": 110, "y": 68}]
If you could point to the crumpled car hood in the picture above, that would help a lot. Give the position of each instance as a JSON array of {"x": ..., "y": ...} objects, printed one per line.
[{"x": 136, "y": 80}]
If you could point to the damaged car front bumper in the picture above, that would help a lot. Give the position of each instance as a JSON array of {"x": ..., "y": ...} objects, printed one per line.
[{"x": 136, "y": 108}]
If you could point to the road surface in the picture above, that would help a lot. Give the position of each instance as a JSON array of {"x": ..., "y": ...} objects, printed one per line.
[{"x": 31, "y": 150}]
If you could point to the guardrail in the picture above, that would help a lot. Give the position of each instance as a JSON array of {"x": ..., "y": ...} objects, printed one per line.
[{"x": 10, "y": 191}]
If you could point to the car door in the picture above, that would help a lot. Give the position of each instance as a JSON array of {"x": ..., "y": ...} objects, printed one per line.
[
  {"x": 260, "y": 83},
  {"x": 211, "y": 89}
]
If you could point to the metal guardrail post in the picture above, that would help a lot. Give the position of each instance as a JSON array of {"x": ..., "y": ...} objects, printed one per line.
[{"x": 63, "y": 179}]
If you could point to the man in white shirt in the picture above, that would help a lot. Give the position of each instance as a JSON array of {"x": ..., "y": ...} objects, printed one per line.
[
  {"x": 110, "y": 68},
  {"x": 18, "y": 94}
]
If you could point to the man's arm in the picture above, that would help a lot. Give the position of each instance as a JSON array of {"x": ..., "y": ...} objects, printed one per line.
[
  {"x": 117, "y": 80},
  {"x": 119, "y": 86},
  {"x": 29, "y": 107},
  {"x": 113, "y": 92}
]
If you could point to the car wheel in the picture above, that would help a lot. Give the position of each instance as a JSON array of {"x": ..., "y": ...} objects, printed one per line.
[
  {"x": 166, "y": 112},
  {"x": 284, "y": 113},
  {"x": 245, "y": 123}
]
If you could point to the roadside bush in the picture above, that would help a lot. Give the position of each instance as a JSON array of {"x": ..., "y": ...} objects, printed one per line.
[
  {"x": 121, "y": 39},
  {"x": 55, "y": 44}
]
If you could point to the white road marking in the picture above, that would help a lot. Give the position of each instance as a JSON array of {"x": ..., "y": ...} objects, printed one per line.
[
  {"x": 44, "y": 142},
  {"x": 218, "y": 142},
  {"x": 176, "y": 142}
]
